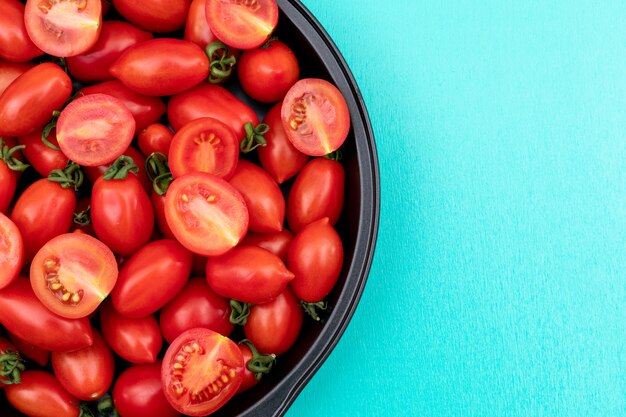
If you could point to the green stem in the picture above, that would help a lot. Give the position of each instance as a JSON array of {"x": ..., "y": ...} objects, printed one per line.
[
  {"x": 312, "y": 308},
  {"x": 6, "y": 155},
  {"x": 106, "y": 407},
  {"x": 70, "y": 176},
  {"x": 120, "y": 168},
  {"x": 11, "y": 366},
  {"x": 83, "y": 218},
  {"x": 84, "y": 411},
  {"x": 255, "y": 137},
  {"x": 46, "y": 131},
  {"x": 222, "y": 62},
  {"x": 335, "y": 156},
  {"x": 158, "y": 172},
  {"x": 239, "y": 312},
  {"x": 259, "y": 364}
]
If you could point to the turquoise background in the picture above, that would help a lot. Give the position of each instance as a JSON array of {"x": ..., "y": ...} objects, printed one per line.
[{"x": 498, "y": 285}]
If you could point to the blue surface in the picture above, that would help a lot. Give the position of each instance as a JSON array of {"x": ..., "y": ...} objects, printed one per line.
[{"x": 498, "y": 285}]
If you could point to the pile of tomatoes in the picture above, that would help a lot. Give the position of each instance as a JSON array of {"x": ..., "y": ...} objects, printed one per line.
[{"x": 159, "y": 246}]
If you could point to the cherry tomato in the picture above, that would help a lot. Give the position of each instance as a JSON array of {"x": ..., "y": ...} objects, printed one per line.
[
  {"x": 11, "y": 251},
  {"x": 196, "y": 305},
  {"x": 40, "y": 394},
  {"x": 72, "y": 273},
  {"x": 159, "y": 16},
  {"x": 209, "y": 100},
  {"x": 279, "y": 157},
  {"x": 248, "y": 273},
  {"x": 158, "y": 202},
  {"x": 137, "y": 392},
  {"x": 151, "y": 278},
  {"x": 15, "y": 44},
  {"x": 40, "y": 156},
  {"x": 22, "y": 314},
  {"x": 161, "y": 67},
  {"x": 242, "y": 25},
  {"x": 116, "y": 36},
  {"x": 30, "y": 351},
  {"x": 27, "y": 104},
  {"x": 197, "y": 28},
  {"x": 264, "y": 199},
  {"x": 135, "y": 340},
  {"x": 277, "y": 242},
  {"x": 87, "y": 373},
  {"x": 206, "y": 214},
  {"x": 93, "y": 173},
  {"x": 8, "y": 179},
  {"x": 315, "y": 117},
  {"x": 9, "y": 71},
  {"x": 274, "y": 327},
  {"x": 268, "y": 72},
  {"x": 204, "y": 145},
  {"x": 155, "y": 138},
  {"x": 317, "y": 192},
  {"x": 201, "y": 371}
]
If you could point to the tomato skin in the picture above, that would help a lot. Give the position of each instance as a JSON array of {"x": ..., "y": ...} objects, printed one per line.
[
  {"x": 158, "y": 202},
  {"x": 151, "y": 278},
  {"x": 160, "y": 16},
  {"x": 8, "y": 179},
  {"x": 30, "y": 351},
  {"x": 15, "y": 44},
  {"x": 87, "y": 373},
  {"x": 279, "y": 157},
  {"x": 317, "y": 192},
  {"x": 264, "y": 199},
  {"x": 11, "y": 251},
  {"x": 161, "y": 67},
  {"x": 277, "y": 242},
  {"x": 93, "y": 173},
  {"x": 122, "y": 214},
  {"x": 248, "y": 376},
  {"x": 40, "y": 156},
  {"x": 41, "y": 395},
  {"x": 9, "y": 71},
  {"x": 116, "y": 36},
  {"x": 44, "y": 210},
  {"x": 155, "y": 138},
  {"x": 268, "y": 72},
  {"x": 197, "y": 28},
  {"x": 27, "y": 104},
  {"x": 196, "y": 305},
  {"x": 209, "y": 100},
  {"x": 22, "y": 314},
  {"x": 248, "y": 273},
  {"x": 274, "y": 327}
]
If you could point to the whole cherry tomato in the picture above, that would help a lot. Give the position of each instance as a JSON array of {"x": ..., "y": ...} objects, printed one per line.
[
  {"x": 30, "y": 351},
  {"x": 15, "y": 44},
  {"x": 42, "y": 157},
  {"x": 9, "y": 174},
  {"x": 155, "y": 138},
  {"x": 9, "y": 71},
  {"x": 40, "y": 394},
  {"x": 197, "y": 28},
  {"x": 161, "y": 16},
  {"x": 277, "y": 242},
  {"x": 11, "y": 251}
]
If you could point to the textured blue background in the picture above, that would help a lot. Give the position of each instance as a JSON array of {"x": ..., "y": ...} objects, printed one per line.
[{"x": 498, "y": 285}]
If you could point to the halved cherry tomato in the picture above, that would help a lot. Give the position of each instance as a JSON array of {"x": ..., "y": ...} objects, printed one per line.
[
  {"x": 85, "y": 373},
  {"x": 116, "y": 36},
  {"x": 277, "y": 242},
  {"x": 204, "y": 145},
  {"x": 155, "y": 138},
  {"x": 201, "y": 371},
  {"x": 242, "y": 24},
  {"x": 197, "y": 28},
  {"x": 40, "y": 394},
  {"x": 93, "y": 173},
  {"x": 15, "y": 44},
  {"x": 40, "y": 156},
  {"x": 161, "y": 67},
  {"x": 160, "y": 16},
  {"x": 151, "y": 278},
  {"x": 315, "y": 116},
  {"x": 9, "y": 71},
  {"x": 30, "y": 351},
  {"x": 95, "y": 129},
  {"x": 11, "y": 251},
  {"x": 196, "y": 305},
  {"x": 72, "y": 273},
  {"x": 206, "y": 214},
  {"x": 63, "y": 28}
]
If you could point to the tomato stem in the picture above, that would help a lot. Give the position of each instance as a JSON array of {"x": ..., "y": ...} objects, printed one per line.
[
  {"x": 11, "y": 365},
  {"x": 158, "y": 172},
  {"x": 312, "y": 308},
  {"x": 70, "y": 176},
  {"x": 335, "y": 155},
  {"x": 106, "y": 407},
  {"x": 83, "y": 218},
  {"x": 6, "y": 155},
  {"x": 120, "y": 168},
  {"x": 222, "y": 62},
  {"x": 84, "y": 411},
  {"x": 255, "y": 137},
  {"x": 259, "y": 364},
  {"x": 46, "y": 131},
  {"x": 239, "y": 312}
]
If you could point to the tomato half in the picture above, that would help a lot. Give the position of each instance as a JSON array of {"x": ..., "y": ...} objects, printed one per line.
[
  {"x": 95, "y": 129},
  {"x": 9, "y": 71},
  {"x": 206, "y": 214},
  {"x": 15, "y": 44},
  {"x": 201, "y": 371},
  {"x": 155, "y": 138},
  {"x": 204, "y": 145},
  {"x": 11, "y": 251},
  {"x": 277, "y": 242},
  {"x": 40, "y": 156},
  {"x": 63, "y": 28},
  {"x": 40, "y": 394},
  {"x": 160, "y": 16},
  {"x": 72, "y": 273},
  {"x": 315, "y": 116},
  {"x": 242, "y": 24}
]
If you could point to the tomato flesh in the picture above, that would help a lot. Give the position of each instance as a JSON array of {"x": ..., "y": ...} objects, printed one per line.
[{"x": 11, "y": 251}]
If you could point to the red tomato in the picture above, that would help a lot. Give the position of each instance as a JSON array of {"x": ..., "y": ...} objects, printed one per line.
[
  {"x": 204, "y": 145},
  {"x": 72, "y": 273},
  {"x": 93, "y": 173},
  {"x": 315, "y": 117},
  {"x": 8, "y": 179},
  {"x": 155, "y": 138},
  {"x": 151, "y": 278},
  {"x": 65, "y": 28},
  {"x": 15, "y": 44},
  {"x": 248, "y": 273},
  {"x": 277, "y": 242},
  {"x": 95, "y": 129},
  {"x": 197, "y": 28},
  {"x": 115, "y": 37},
  {"x": 40, "y": 394},
  {"x": 28, "y": 350},
  {"x": 11, "y": 251},
  {"x": 196, "y": 305},
  {"x": 161, "y": 67},
  {"x": 40, "y": 156},
  {"x": 27, "y": 104},
  {"x": 205, "y": 213},
  {"x": 264, "y": 199},
  {"x": 87, "y": 373},
  {"x": 242, "y": 24},
  {"x": 138, "y": 392},
  {"x": 44, "y": 210},
  {"x": 159, "y": 16},
  {"x": 22, "y": 314},
  {"x": 279, "y": 157},
  {"x": 122, "y": 214},
  {"x": 201, "y": 371},
  {"x": 135, "y": 340},
  {"x": 209, "y": 100},
  {"x": 268, "y": 72},
  {"x": 9, "y": 71},
  {"x": 317, "y": 192},
  {"x": 274, "y": 327},
  {"x": 158, "y": 202},
  {"x": 145, "y": 109}
]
